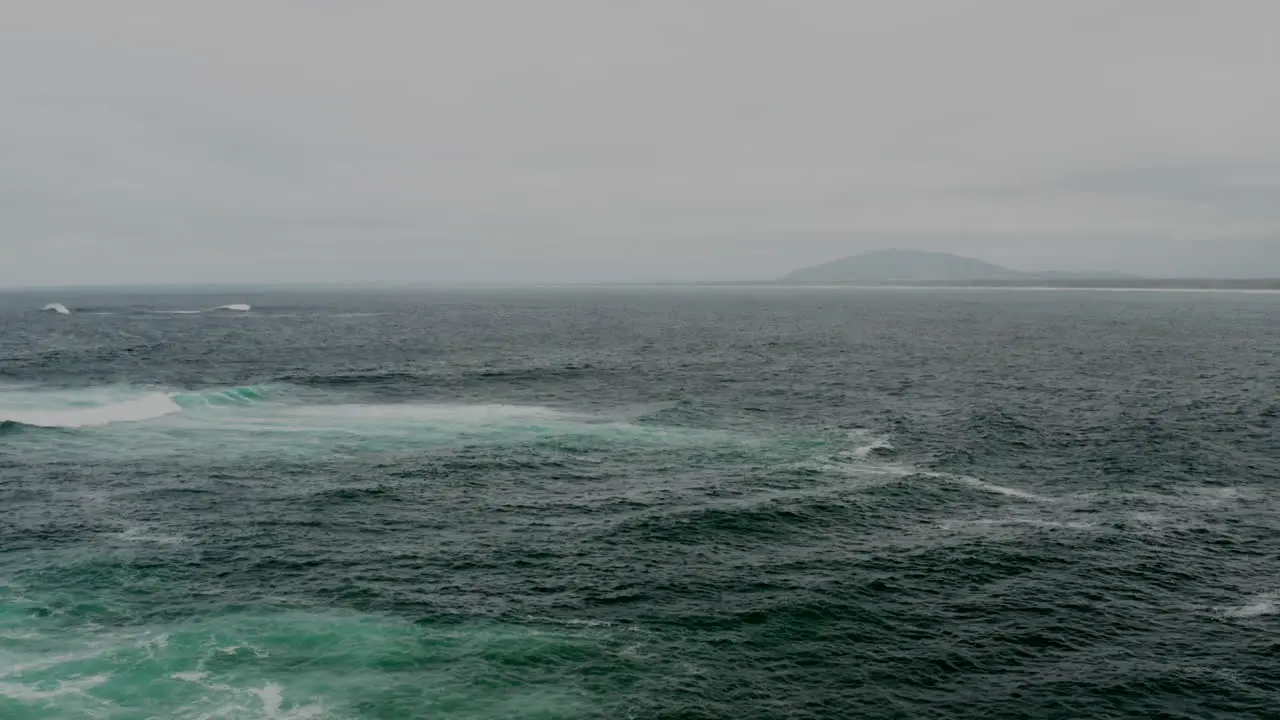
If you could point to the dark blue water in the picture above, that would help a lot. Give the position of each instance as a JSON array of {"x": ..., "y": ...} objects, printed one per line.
[{"x": 717, "y": 503}]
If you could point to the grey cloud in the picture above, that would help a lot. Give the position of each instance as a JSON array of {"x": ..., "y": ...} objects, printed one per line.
[
  {"x": 575, "y": 140},
  {"x": 1244, "y": 192}
]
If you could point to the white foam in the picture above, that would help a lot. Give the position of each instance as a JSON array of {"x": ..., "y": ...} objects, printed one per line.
[
  {"x": 986, "y": 486},
  {"x": 236, "y": 307},
  {"x": 44, "y": 663},
  {"x": 864, "y": 451},
  {"x": 58, "y": 308},
  {"x": 999, "y": 489},
  {"x": 432, "y": 413},
  {"x": 271, "y": 698},
  {"x": 859, "y": 470},
  {"x": 20, "y": 691},
  {"x": 191, "y": 677},
  {"x": 899, "y": 470},
  {"x": 1258, "y": 606},
  {"x": 147, "y": 407}
]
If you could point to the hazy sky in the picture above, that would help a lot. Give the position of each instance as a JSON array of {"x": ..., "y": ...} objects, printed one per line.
[{"x": 554, "y": 140}]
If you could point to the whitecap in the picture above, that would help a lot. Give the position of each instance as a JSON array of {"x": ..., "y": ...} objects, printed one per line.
[
  {"x": 1264, "y": 604},
  {"x": 58, "y": 308},
  {"x": 865, "y": 451},
  {"x": 867, "y": 444}
]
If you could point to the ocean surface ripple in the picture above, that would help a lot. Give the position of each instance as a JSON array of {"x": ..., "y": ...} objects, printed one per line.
[{"x": 718, "y": 503}]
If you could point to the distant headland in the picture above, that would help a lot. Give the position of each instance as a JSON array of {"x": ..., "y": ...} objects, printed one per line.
[{"x": 937, "y": 269}]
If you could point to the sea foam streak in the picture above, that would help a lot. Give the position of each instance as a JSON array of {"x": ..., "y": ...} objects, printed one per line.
[
  {"x": 235, "y": 307},
  {"x": 980, "y": 484},
  {"x": 432, "y": 413},
  {"x": 147, "y": 407},
  {"x": 861, "y": 461},
  {"x": 289, "y": 419},
  {"x": 96, "y": 407}
]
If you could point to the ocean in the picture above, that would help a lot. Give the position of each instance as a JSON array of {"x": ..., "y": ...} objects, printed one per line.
[{"x": 762, "y": 502}]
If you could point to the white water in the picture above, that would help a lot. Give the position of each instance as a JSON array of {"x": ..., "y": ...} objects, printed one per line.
[
  {"x": 259, "y": 420},
  {"x": 482, "y": 414},
  {"x": 1260, "y": 605},
  {"x": 979, "y": 484},
  {"x": 147, "y": 407},
  {"x": 236, "y": 307},
  {"x": 58, "y": 308},
  {"x": 866, "y": 444}
]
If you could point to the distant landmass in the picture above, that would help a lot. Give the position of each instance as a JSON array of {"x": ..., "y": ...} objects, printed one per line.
[{"x": 881, "y": 267}]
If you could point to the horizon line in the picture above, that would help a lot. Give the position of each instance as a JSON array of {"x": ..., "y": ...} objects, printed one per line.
[{"x": 1082, "y": 282}]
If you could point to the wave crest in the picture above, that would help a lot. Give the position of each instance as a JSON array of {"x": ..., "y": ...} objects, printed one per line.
[{"x": 226, "y": 396}]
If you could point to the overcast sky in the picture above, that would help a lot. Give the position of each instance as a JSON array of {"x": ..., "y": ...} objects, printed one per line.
[{"x": 324, "y": 140}]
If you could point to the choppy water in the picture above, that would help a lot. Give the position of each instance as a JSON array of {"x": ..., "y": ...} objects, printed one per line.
[{"x": 728, "y": 503}]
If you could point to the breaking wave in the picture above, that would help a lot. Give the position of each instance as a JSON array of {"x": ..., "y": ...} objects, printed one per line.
[
  {"x": 58, "y": 308},
  {"x": 221, "y": 397}
]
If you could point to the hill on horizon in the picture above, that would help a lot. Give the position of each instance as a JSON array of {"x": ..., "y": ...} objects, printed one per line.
[
  {"x": 881, "y": 266},
  {"x": 1245, "y": 259},
  {"x": 921, "y": 266}
]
